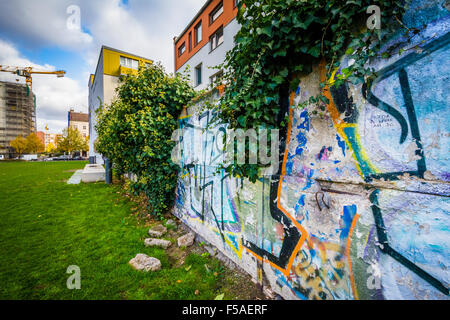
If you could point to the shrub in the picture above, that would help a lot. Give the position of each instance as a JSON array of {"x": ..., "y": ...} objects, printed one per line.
[{"x": 135, "y": 132}]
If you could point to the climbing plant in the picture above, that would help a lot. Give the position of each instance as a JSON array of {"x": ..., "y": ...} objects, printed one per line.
[
  {"x": 135, "y": 132},
  {"x": 281, "y": 40}
]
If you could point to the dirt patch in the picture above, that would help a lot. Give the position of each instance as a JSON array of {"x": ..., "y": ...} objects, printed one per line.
[
  {"x": 235, "y": 283},
  {"x": 240, "y": 286},
  {"x": 41, "y": 287},
  {"x": 176, "y": 254}
]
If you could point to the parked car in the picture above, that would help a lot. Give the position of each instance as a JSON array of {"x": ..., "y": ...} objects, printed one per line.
[
  {"x": 62, "y": 158},
  {"x": 29, "y": 157}
]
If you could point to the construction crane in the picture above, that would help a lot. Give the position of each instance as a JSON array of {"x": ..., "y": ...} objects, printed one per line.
[{"x": 26, "y": 72}]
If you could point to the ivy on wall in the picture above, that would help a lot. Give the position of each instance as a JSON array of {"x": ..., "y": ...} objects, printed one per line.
[
  {"x": 135, "y": 132},
  {"x": 281, "y": 40}
]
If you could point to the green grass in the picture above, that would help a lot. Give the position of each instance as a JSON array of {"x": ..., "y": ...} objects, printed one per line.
[{"x": 47, "y": 225}]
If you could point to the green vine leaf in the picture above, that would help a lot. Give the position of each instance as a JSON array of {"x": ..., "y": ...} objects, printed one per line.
[{"x": 281, "y": 40}]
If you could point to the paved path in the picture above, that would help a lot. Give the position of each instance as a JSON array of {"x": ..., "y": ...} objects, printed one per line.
[{"x": 76, "y": 177}]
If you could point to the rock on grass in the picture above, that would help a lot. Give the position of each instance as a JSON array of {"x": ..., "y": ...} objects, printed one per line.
[
  {"x": 171, "y": 223},
  {"x": 186, "y": 240},
  {"x": 143, "y": 262},
  {"x": 157, "y": 231},
  {"x": 151, "y": 242}
]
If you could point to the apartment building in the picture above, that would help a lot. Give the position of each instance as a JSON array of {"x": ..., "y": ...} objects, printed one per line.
[
  {"x": 17, "y": 114},
  {"x": 112, "y": 64},
  {"x": 52, "y": 138},
  {"x": 205, "y": 40},
  {"x": 41, "y": 136},
  {"x": 80, "y": 121}
]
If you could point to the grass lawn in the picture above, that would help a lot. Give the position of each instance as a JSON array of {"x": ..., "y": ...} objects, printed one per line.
[{"x": 47, "y": 225}]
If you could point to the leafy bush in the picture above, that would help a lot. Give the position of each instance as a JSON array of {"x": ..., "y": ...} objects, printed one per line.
[{"x": 135, "y": 132}]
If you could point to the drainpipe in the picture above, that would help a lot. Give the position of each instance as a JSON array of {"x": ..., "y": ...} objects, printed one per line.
[{"x": 108, "y": 171}]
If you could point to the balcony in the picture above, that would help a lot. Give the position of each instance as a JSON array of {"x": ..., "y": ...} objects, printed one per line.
[{"x": 127, "y": 71}]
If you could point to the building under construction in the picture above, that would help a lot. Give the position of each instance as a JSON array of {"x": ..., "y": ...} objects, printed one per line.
[{"x": 17, "y": 114}]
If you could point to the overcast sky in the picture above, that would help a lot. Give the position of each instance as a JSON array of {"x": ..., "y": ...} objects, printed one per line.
[{"x": 35, "y": 33}]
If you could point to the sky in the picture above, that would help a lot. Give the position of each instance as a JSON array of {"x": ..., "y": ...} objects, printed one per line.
[{"x": 39, "y": 34}]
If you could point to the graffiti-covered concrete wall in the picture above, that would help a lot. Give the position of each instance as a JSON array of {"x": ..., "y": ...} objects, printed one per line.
[{"x": 360, "y": 207}]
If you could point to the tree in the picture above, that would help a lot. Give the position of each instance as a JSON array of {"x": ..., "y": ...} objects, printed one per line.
[
  {"x": 34, "y": 144},
  {"x": 50, "y": 148},
  {"x": 85, "y": 146},
  {"x": 135, "y": 132},
  {"x": 19, "y": 144},
  {"x": 71, "y": 141}
]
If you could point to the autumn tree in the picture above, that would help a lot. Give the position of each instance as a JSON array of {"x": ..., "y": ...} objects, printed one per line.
[
  {"x": 50, "y": 148},
  {"x": 71, "y": 141},
  {"x": 34, "y": 144},
  {"x": 19, "y": 144}
]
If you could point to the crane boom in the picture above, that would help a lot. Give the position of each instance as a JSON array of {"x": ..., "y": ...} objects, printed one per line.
[{"x": 26, "y": 72}]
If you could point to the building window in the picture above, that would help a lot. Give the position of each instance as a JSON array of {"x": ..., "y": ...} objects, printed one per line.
[
  {"x": 216, "y": 39},
  {"x": 216, "y": 77},
  {"x": 181, "y": 49},
  {"x": 84, "y": 127},
  {"x": 198, "y": 75},
  {"x": 198, "y": 33},
  {"x": 190, "y": 41},
  {"x": 216, "y": 13},
  {"x": 129, "y": 63}
]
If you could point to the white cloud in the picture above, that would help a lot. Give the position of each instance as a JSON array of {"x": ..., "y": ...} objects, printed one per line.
[
  {"x": 143, "y": 27},
  {"x": 54, "y": 96},
  {"x": 42, "y": 23},
  {"x": 9, "y": 55},
  {"x": 146, "y": 28}
]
